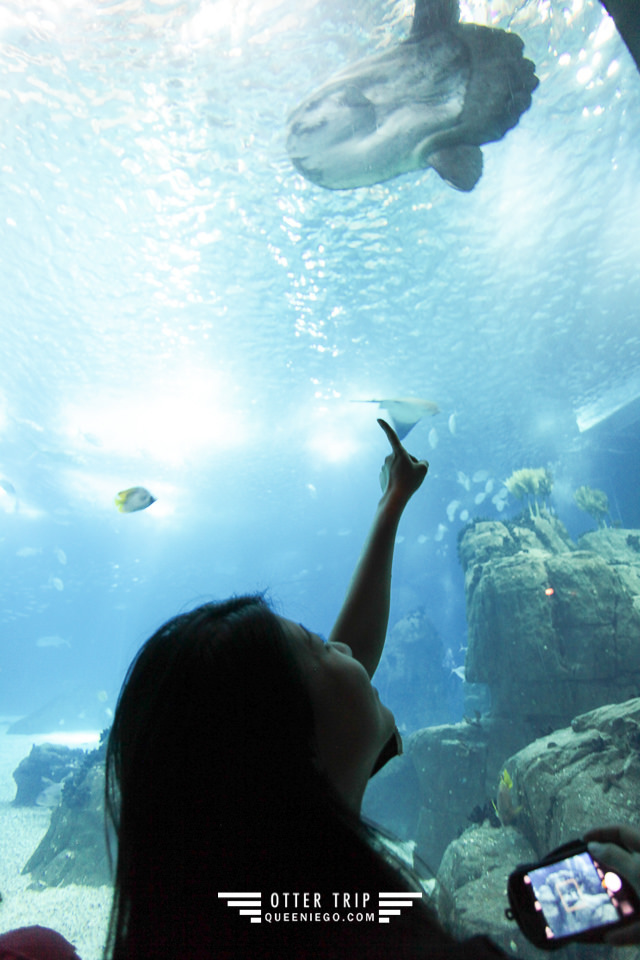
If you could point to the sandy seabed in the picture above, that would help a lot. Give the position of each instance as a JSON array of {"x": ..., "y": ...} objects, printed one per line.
[{"x": 79, "y": 913}]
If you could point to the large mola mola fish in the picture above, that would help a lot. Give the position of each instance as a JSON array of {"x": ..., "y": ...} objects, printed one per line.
[{"x": 431, "y": 101}]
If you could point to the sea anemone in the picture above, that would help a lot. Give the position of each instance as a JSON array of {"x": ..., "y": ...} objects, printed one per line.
[
  {"x": 593, "y": 502},
  {"x": 532, "y": 484}
]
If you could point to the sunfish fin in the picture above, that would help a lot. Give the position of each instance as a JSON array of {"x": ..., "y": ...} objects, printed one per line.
[
  {"x": 460, "y": 166},
  {"x": 432, "y": 15},
  {"x": 365, "y": 116},
  {"x": 626, "y": 16},
  {"x": 500, "y": 84}
]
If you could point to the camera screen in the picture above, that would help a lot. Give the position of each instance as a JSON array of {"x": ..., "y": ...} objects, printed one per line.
[{"x": 572, "y": 897}]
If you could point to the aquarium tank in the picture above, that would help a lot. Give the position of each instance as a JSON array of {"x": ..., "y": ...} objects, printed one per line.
[{"x": 189, "y": 310}]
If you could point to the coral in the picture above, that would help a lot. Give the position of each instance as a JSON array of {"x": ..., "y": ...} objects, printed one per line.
[
  {"x": 530, "y": 483},
  {"x": 593, "y": 502}
]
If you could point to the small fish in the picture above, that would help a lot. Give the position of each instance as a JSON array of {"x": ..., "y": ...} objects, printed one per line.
[
  {"x": 440, "y": 532},
  {"x": 459, "y": 672},
  {"x": 451, "y": 510},
  {"x": 8, "y": 496},
  {"x": 57, "y": 583},
  {"x": 479, "y": 498},
  {"x": 463, "y": 480},
  {"x": 464, "y": 516},
  {"x": 480, "y": 476},
  {"x": 448, "y": 659},
  {"x": 60, "y": 555},
  {"x": 505, "y": 807},
  {"x": 452, "y": 425},
  {"x": 8, "y": 488},
  {"x": 433, "y": 438},
  {"x": 52, "y": 641},
  {"x": 499, "y": 499},
  {"x": 134, "y": 498},
  {"x": 506, "y": 779},
  {"x": 405, "y": 412}
]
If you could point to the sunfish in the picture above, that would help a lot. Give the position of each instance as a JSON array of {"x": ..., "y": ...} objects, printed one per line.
[
  {"x": 404, "y": 414},
  {"x": 431, "y": 101}
]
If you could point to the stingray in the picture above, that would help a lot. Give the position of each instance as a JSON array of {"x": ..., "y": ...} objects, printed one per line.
[
  {"x": 405, "y": 413},
  {"x": 430, "y": 101}
]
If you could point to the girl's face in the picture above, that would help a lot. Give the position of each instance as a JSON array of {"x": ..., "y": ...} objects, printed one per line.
[{"x": 352, "y": 725}]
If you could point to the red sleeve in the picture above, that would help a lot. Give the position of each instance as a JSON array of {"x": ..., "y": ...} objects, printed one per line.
[{"x": 35, "y": 943}]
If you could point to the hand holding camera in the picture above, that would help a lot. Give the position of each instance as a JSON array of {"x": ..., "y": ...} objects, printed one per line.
[
  {"x": 587, "y": 890},
  {"x": 618, "y": 848}
]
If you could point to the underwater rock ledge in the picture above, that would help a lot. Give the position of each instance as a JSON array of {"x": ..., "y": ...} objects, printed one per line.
[
  {"x": 583, "y": 775},
  {"x": 73, "y": 850},
  {"x": 553, "y": 627}
]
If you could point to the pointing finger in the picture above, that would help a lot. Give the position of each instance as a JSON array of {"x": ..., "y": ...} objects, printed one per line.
[{"x": 392, "y": 436}]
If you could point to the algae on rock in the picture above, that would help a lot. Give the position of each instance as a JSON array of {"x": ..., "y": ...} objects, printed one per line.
[{"x": 594, "y": 502}]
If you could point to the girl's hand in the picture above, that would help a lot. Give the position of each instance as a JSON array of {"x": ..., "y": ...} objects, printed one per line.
[
  {"x": 618, "y": 848},
  {"x": 401, "y": 474}
]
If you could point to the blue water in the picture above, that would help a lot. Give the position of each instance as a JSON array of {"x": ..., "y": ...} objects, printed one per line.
[{"x": 182, "y": 310}]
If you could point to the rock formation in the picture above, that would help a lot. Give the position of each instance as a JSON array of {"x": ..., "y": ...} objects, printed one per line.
[
  {"x": 415, "y": 679},
  {"x": 73, "y": 850},
  {"x": 553, "y": 632},
  {"x": 552, "y": 628},
  {"x": 40, "y": 776},
  {"x": 584, "y": 775}
]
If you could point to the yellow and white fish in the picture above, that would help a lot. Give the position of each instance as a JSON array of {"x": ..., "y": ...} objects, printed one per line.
[{"x": 134, "y": 498}]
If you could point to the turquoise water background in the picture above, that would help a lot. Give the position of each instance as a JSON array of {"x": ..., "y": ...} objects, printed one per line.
[{"x": 180, "y": 309}]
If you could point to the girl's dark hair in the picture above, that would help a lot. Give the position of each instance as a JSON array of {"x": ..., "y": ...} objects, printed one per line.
[{"x": 213, "y": 785}]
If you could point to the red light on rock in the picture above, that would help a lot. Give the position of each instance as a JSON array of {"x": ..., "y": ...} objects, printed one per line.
[{"x": 549, "y": 591}]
